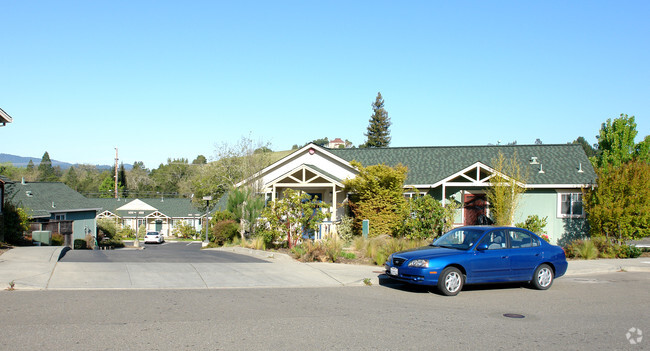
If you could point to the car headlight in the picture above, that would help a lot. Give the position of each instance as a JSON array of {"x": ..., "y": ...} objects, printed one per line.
[{"x": 419, "y": 263}]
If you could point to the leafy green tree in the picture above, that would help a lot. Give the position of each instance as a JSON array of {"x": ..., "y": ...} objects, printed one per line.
[
  {"x": 234, "y": 163},
  {"x": 642, "y": 150},
  {"x": 618, "y": 207},
  {"x": 506, "y": 188},
  {"x": 379, "y": 125},
  {"x": 426, "y": 218},
  {"x": 378, "y": 197},
  {"x": 173, "y": 177},
  {"x": 294, "y": 214},
  {"x": 107, "y": 187},
  {"x": 10, "y": 171},
  {"x": 321, "y": 142},
  {"x": 138, "y": 181},
  {"x": 616, "y": 142},
  {"x": 46, "y": 172},
  {"x": 590, "y": 151},
  {"x": 200, "y": 160}
]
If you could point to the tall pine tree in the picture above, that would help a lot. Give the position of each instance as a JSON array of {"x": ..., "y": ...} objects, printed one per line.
[
  {"x": 46, "y": 172},
  {"x": 379, "y": 125},
  {"x": 121, "y": 180}
]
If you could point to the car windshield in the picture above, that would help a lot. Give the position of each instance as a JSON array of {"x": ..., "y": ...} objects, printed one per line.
[
  {"x": 460, "y": 238},
  {"x": 151, "y": 234}
]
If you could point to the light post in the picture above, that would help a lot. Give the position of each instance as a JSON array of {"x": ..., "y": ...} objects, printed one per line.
[
  {"x": 207, "y": 223},
  {"x": 136, "y": 243}
]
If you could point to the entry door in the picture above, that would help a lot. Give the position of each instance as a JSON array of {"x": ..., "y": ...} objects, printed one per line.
[{"x": 475, "y": 205}]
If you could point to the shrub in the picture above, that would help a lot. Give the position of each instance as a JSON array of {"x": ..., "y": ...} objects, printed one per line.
[
  {"x": 115, "y": 242},
  {"x": 13, "y": 222},
  {"x": 80, "y": 244},
  {"x": 184, "y": 230},
  {"x": 535, "y": 224},
  {"x": 90, "y": 242},
  {"x": 269, "y": 236},
  {"x": 57, "y": 239},
  {"x": 309, "y": 251},
  {"x": 606, "y": 248},
  {"x": 224, "y": 231},
  {"x": 345, "y": 229},
  {"x": 348, "y": 255},
  {"x": 126, "y": 233},
  {"x": 106, "y": 227},
  {"x": 582, "y": 249},
  {"x": 257, "y": 243},
  {"x": 629, "y": 251},
  {"x": 333, "y": 249}
]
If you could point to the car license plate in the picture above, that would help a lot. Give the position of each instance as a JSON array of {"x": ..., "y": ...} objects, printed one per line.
[{"x": 393, "y": 271}]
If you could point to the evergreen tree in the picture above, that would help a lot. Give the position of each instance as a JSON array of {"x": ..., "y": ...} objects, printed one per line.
[
  {"x": 71, "y": 179},
  {"x": 589, "y": 150},
  {"x": 121, "y": 180},
  {"x": 379, "y": 125},
  {"x": 46, "y": 172}
]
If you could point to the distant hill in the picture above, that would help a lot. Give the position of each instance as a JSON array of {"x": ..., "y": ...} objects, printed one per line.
[{"x": 20, "y": 161}]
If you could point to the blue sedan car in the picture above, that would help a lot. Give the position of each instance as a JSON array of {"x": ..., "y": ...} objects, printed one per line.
[{"x": 480, "y": 254}]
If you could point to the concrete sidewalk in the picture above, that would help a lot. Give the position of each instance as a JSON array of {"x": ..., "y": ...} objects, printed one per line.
[
  {"x": 37, "y": 268},
  {"x": 28, "y": 267}
]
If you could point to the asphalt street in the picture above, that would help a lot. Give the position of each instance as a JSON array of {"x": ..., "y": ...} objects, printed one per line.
[{"x": 588, "y": 312}]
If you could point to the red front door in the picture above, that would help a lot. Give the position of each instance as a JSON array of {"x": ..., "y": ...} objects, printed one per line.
[{"x": 474, "y": 206}]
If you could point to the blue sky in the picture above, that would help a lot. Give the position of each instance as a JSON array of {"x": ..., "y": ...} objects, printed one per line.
[{"x": 160, "y": 79}]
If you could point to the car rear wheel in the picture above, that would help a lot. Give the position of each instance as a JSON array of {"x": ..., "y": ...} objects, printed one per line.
[
  {"x": 543, "y": 277},
  {"x": 451, "y": 281}
]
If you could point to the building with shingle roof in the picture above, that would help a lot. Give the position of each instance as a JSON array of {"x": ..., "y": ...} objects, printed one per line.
[
  {"x": 555, "y": 176},
  {"x": 51, "y": 202}
]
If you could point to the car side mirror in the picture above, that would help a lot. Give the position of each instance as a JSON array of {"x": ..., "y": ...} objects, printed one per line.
[{"x": 482, "y": 247}]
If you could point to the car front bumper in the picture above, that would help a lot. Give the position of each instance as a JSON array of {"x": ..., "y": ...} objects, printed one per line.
[{"x": 413, "y": 275}]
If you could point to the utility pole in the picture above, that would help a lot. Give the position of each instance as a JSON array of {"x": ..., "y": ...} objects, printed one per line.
[{"x": 116, "y": 172}]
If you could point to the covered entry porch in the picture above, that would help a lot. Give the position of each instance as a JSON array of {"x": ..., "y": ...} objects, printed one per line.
[{"x": 319, "y": 185}]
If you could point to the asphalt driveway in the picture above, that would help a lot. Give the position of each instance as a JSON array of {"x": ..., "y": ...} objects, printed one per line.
[{"x": 168, "y": 252}]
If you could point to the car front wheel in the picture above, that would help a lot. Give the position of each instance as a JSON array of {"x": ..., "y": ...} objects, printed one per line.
[
  {"x": 543, "y": 277},
  {"x": 451, "y": 281}
]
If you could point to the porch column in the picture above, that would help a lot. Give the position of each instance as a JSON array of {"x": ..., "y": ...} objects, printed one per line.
[
  {"x": 444, "y": 195},
  {"x": 333, "y": 203},
  {"x": 273, "y": 193}
]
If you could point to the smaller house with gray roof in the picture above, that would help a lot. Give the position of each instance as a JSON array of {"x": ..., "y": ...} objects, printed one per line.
[
  {"x": 162, "y": 215},
  {"x": 556, "y": 176}
]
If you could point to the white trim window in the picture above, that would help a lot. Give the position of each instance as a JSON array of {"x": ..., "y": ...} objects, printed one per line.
[
  {"x": 59, "y": 217},
  {"x": 569, "y": 205}
]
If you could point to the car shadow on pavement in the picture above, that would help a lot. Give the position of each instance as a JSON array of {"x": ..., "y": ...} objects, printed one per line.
[{"x": 387, "y": 282}]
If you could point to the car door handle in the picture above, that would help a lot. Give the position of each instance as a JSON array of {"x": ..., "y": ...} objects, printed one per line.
[{"x": 504, "y": 256}]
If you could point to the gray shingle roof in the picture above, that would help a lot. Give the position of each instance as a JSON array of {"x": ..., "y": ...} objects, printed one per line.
[
  {"x": 172, "y": 207},
  {"x": 45, "y": 198},
  {"x": 429, "y": 165}
]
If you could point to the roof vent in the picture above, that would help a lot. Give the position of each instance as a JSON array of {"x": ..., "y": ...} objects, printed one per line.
[
  {"x": 533, "y": 160},
  {"x": 580, "y": 168},
  {"x": 29, "y": 193},
  {"x": 53, "y": 206},
  {"x": 541, "y": 168},
  {"x": 22, "y": 181}
]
